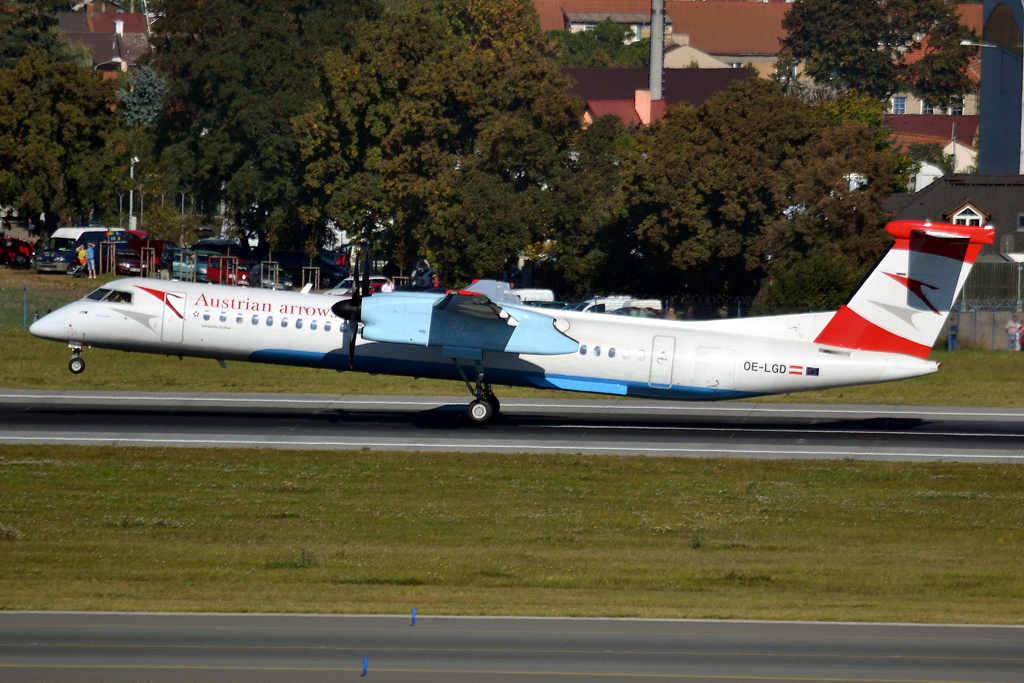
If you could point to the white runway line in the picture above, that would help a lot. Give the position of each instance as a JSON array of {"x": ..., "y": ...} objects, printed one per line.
[{"x": 489, "y": 446}]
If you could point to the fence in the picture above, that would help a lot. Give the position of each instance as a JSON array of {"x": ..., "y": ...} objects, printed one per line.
[{"x": 19, "y": 306}]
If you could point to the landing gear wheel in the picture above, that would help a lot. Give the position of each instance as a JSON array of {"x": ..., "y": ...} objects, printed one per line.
[
  {"x": 480, "y": 412},
  {"x": 76, "y": 365},
  {"x": 493, "y": 400}
]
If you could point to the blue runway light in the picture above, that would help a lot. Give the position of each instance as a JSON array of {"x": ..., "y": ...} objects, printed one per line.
[{"x": 364, "y": 665}]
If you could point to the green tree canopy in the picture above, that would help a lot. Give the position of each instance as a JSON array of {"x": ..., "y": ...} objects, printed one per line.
[
  {"x": 57, "y": 121},
  {"x": 733, "y": 197},
  {"x": 237, "y": 72},
  {"x": 441, "y": 140},
  {"x": 32, "y": 24},
  {"x": 881, "y": 47},
  {"x": 603, "y": 46}
]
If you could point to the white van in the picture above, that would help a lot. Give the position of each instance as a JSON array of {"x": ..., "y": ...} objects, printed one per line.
[{"x": 59, "y": 252}]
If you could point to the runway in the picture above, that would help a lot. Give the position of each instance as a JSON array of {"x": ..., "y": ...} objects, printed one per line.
[
  {"x": 613, "y": 426},
  {"x": 232, "y": 647}
]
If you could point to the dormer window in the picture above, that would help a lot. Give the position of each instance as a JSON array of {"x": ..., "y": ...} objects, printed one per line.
[{"x": 966, "y": 216}]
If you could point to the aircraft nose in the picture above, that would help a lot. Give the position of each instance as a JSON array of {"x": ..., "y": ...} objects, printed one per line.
[{"x": 50, "y": 326}]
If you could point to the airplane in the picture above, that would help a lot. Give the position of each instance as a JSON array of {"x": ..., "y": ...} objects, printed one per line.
[{"x": 484, "y": 336}]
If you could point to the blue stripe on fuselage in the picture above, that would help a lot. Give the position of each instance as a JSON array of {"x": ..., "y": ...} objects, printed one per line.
[{"x": 338, "y": 360}]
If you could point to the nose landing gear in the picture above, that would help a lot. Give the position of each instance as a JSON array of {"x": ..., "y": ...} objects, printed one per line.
[
  {"x": 77, "y": 364},
  {"x": 486, "y": 404}
]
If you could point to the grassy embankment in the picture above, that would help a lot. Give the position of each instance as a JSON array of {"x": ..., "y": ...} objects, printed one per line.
[{"x": 173, "y": 529}]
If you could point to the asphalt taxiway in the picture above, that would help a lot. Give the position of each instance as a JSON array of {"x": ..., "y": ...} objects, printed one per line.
[
  {"x": 232, "y": 647},
  {"x": 587, "y": 426}
]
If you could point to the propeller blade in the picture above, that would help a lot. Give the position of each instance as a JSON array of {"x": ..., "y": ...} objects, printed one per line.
[{"x": 350, "y": 310}]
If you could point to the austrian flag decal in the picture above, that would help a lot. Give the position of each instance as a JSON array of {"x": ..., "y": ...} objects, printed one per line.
[{"x": 796, "y": 369}]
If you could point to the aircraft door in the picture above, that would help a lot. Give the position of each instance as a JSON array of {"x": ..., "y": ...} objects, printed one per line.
[
  {"x": 662, "y": 351},
  {"x": 715, "y": 368},
  {"x": 173, "y": 327}
]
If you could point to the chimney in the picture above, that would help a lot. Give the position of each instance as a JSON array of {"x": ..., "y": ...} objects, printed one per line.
[
  {"x": 119, "y": 27},
  {"x": 642, "y": 104},
  {"x": 657, "y": 47}
]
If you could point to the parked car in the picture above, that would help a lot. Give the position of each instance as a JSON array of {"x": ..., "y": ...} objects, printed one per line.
[
  {"x": 238, "y": 276},
  {"x": 259, "y": 278},
  {"x": 127, "y": 262},
  {"x": 344, "y": 288},
  {"x": 177, "y": 264},
  {"x": 16, "y": 252},
  {"x": 292, "y": 263},
  {"x": 224, "y": 247}
]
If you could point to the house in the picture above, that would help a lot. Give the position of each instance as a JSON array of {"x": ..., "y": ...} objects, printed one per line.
[
  {"x": 736, "y": 34},
  {"x": 626, "y": 94},
  {"x": 908, "y": 103},
  {"x": 956, "y": 135},
  {"x": 971, "y": 199},
  {"x": 639, "y": 23},
  {"x": 116, "y": 40},
  {"x": 718, "y": 33}
]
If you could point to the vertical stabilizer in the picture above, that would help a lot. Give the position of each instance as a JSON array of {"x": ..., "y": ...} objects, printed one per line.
[{"x": 903, "y": 304}]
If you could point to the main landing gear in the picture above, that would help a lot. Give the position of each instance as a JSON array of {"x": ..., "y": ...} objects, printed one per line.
[
  {"x": 485, "y": 404},
  {"x": 77, "y": 364}
]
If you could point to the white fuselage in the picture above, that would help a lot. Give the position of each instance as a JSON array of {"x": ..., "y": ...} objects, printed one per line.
[{"x": 617, "y": 355}]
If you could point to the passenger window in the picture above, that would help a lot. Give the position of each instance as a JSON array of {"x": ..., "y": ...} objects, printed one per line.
[
  {"x": 284, "y": 322},
  {"x": 640, "y": 354},
  {"x": 583, "y": 349},
  {"x": 597, "y": 350},
  {"x": 327, "y": 326},
  {"x": 312, "y": 324},
  {"x": 625, "y": 353},
  {"x": 270, "y": 321},
  {"x": 239, "y": 318},
  {"x": 298, "y": 323},
  {"x": 223, "y": 316},
  {"x": 255, "y": 320},
  {"x": 206, "y": 315},
  {"x": 611, "y": 353}
]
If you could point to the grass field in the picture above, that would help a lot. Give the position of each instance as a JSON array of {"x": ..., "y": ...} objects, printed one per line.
[{"x": 222, "y": 530}]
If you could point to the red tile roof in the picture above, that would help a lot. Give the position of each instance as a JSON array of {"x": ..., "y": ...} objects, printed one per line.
[
  {"x": 936, "y": 126},
  {"x": 103, "y": 22},
  {"x": 624, "y": 109}
]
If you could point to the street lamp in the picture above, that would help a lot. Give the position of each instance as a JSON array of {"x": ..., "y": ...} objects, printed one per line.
[{"x": 1004, "y": 51}]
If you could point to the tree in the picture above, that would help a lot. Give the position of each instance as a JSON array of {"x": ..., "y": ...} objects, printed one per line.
[
  {"x": 25, "y": 25},
  {"x": 441, "y": 138},
  {"x": 878, "y": 48},
  {"x": 238, "y": 71},
  {"x": 56, "y": 124},
  {"x": 603, "y": 46},
  {"x": 142, "y": 97}
]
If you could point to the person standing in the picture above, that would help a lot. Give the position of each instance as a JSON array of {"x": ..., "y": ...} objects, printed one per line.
[
  {"x": 90, "y": 257},
  {"x": 953, "y": 332},
  {"x": 1013, "y": 335}
]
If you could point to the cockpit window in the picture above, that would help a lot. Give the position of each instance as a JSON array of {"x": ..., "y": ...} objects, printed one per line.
[
  {"x": 98, "y": 294},
  {"x": 118, "y": 297},
  {"x": 110, "y": 295}
]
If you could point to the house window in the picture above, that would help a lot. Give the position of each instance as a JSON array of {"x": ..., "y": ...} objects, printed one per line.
[
  {"x": 1020, "y": 222},
  {"x": 956, "y": 107},
  {"x": 899, "y": 105},
  {"x": 966, "y": 216},
  {"x": 927, "y": 108}
]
